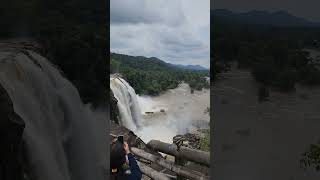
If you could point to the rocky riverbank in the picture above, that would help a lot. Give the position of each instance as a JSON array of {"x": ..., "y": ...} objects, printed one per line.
[{"x": 199, "y": 140}]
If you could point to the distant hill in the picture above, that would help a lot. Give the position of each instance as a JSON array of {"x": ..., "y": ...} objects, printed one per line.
[
  {"x": 190, "y": 67},
  {"x": 153, "y": 63},
  {"x": 278, "y": 18}
]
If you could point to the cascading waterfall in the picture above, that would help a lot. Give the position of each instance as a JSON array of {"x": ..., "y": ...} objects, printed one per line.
[
  {"x": 65, "y": 139},
  {"x": 130, "y": 113},
  {"x": 174, "y": 112}
]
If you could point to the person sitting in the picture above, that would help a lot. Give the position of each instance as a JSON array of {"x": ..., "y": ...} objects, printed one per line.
[{"x": 122, "y": 162}]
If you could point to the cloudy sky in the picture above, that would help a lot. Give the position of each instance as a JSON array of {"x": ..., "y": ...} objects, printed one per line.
[{"x": 176, "y": 31}]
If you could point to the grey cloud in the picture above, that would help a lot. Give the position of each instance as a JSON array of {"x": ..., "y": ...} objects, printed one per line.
[
  {"x": 166, "y": 29},
  {"x": 307, "y": 9},
  {"x": 142, "y": 11}
]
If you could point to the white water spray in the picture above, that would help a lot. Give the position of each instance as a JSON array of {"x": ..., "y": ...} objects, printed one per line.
[
  {"x": 65, "y": 139},
  {"x": 175, "y": 111}
]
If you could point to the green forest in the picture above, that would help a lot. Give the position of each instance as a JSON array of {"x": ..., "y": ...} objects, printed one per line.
[
  {"x": 274, "y": 55},
  {"x": 73, "y": 35},
  {"x": 151, "y": 76}
]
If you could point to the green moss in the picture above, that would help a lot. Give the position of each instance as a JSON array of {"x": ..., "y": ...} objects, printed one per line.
[{"x": 205, "y": 140}]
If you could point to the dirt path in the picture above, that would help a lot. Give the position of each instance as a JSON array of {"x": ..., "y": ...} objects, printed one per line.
[{"x": 264, "y": 141}]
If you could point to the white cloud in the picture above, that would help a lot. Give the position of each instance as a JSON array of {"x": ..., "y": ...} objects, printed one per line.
[{"x": 176, "y": 31}]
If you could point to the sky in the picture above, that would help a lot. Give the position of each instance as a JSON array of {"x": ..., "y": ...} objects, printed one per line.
[
  {"x": 175, "y": 31},
  {"x": 308, "y": 9}
]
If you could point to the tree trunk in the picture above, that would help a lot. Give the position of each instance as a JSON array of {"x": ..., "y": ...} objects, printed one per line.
[
  {"x": 189, "y": 154},
  {"x": 179, "y": 170},
  {"x": 151, "y": 172}
]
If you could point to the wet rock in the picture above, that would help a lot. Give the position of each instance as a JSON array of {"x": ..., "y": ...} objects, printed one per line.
[{"x": 114, "y": 111}]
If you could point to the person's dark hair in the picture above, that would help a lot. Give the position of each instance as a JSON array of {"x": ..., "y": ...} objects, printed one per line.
[{"x": 117, "y": 155}]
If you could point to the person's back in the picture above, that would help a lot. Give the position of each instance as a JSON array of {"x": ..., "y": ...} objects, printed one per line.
[{"x": 122, "y": 163}]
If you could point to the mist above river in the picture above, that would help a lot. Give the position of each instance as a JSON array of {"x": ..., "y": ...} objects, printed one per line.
[{"x": 177, "y": 111}]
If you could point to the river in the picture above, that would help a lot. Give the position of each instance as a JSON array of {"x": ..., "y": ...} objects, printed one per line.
[{"x": 183, "y": 112}]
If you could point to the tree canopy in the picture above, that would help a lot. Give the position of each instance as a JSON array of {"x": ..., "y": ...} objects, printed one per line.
[
  {"x": 152, "y": 76},
  {"x": 275, "y": 55}
]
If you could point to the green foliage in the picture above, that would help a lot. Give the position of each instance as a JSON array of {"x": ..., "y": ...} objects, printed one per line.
[
  {"x": 152, "y": 76},
  {"x": 72, "y": 33},
  {"x": 311, "y": 158},
  {"x": 274, "y": 54}
]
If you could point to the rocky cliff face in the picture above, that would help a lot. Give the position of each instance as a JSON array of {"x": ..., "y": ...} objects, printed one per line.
[
  {"x": 114, "y": 111},
  {"x": 11, "y": 130}
]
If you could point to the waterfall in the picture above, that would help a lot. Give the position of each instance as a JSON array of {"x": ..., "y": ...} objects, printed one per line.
[
  {"x": 65, "y": 139},
  {"x": 130, "y": 113}
]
